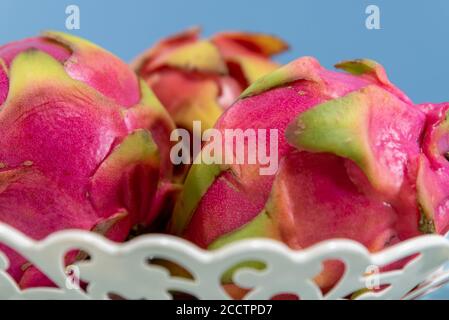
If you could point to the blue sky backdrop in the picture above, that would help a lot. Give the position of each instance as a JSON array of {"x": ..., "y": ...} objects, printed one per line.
[{"x": 412, "y": 44}]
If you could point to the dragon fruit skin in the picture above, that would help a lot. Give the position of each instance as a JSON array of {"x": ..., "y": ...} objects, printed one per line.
[
  {"x": 91, "y": 143},
  {"x": 433, "y": 173},
  {"x": 197, "y": 79},
  {"x": 349, "y": 150}
]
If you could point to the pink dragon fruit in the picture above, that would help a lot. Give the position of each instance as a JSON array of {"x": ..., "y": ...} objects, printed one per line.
[
  {"x": 197, "y": 79},
  {"x": 84, "y": 143},
  {"x": 433, "y": 174},
  {"x": 349, "y": 150}
]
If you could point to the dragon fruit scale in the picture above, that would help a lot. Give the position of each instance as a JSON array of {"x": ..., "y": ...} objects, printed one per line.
[
  {"x": 198, "y": 79},
  {"x": 351, "y": 165},
  {"x": 433, "y": 173},
  {"x": 84, "y": 143}
]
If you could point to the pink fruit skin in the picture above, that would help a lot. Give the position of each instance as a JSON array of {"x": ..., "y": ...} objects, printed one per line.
[
  {"x": 433, "y": 176},
  {"x": 4, "y": 85},
  {"x": 192, "y": 91},
  {"x": 317, "y": 196},
  {"x": 240, "y": 206},
  {"x": 274, "y": 109},
  {"x": 64, "y": 149}
]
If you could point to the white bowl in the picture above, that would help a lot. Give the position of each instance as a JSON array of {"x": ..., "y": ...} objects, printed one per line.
[{"x": 124, "y": 269}]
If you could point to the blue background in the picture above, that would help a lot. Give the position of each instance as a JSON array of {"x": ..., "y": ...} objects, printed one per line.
[{"x": 412, "y": 44}]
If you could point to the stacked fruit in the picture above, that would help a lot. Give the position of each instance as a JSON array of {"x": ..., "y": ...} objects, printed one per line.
[{"x": 85, "y": 144}]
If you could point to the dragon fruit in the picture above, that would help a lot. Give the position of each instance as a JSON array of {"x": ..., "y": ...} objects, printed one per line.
[
  {"x": 433, "y": 174},
  {"x": 350, "y": 165},
  {"x": 84, "y": 144},
  {"x": 198, "y": 79}
]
